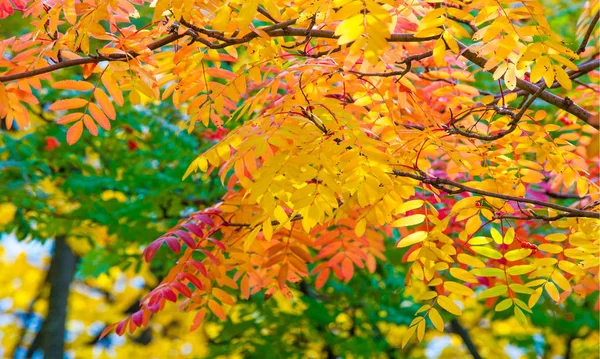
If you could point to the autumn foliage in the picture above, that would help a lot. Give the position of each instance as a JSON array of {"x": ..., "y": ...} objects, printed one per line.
[{"x": 469, "y": 129}]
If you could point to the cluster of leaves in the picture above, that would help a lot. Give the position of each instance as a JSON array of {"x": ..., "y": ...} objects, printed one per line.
[
  {"x": 358, "y": 118},
  {"x": 362, "y": 318}
]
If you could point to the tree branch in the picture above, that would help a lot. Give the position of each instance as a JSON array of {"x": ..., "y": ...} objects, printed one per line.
[
  {"x": 588, "y": 33},
  {"x": 442, "y": 183},
  {"x": 562, "y": 103},
  {"x": 457, "y": 328}
]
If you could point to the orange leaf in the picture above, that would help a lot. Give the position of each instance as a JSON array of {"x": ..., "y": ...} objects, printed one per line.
[
  {"x": 113, "y": 89},
  {"x": 322, "y": 278},
  {"x": 282, "y": 276},
  {"x": 223, "y": 296},
  {"x": 347, "y": 268},
  {"x": 72, "y": 117},
  {"x": 105, "y": 103},
  {"x": 73, "y": 85},
  {"x": 99, "y": 116},
  {"x": 90, "y": 125},
  {"x": 216, "y": 309},
  {"x": 198, "y": 319},
  {"x": 68, "y": 104},
  {"x": 245, "y": 287},
  {"x": 75, "y": 132}
]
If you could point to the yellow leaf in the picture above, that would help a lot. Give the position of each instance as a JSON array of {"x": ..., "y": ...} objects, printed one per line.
[
  {"x": 413, "y": 238},
  {"x": 550, "y": 248},
  {"x": 488, "y": 272},
  {"x": 496, "y": 235},
  {"x": 561, "y": 281},
  {"x": 517, "y": 254},
  {"x": 421, "y": 330},
  {"x": 562, "y": 77},
  {"x": 487, "y": 252},
  {"x": 449, "y": 305},
  {"x": 493, "y": 292},
  {"x": 510, "y": 77},
  {"x": 504, "y": 305},
  {"x": 470, "y": 260},
  {"x": 409, "y": 221},
  {"x": 7, "y": 213},
  {"x": 556, "y": 237},
  {"x": 582, "y": 186},
  {"x": 408, "y": 334},
  {"x": 509, "y": 236},
  {"x": 350, "y": 29},
  {"x": 542, "y": 65},
  {"x": 361, "y": 227},
  {"x": 520, "y": 316},
  {"x": 535, "y": 296},
  {"x": 439, "y": 50},
  {"x": 458, "y": 288},
  {"x": 463, "y": 275},
  {"x": 267, "y": 229},
  {"x": 520, "y": 288},
  {"x": 552, "y": 291},
  {"x": 518, "y": 270},
  {"x": 436, "y": 319},
  {"x": 410, "y": 205}
]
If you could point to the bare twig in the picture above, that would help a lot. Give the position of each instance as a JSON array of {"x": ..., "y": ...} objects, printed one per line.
[{"x": 588, "y": 34}]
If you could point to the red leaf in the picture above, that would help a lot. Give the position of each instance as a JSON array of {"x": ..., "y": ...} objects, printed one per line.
[
  {"x": 218, "y": 243},
  {"x": 122, "y": 326},
  {"x": 186, "y": 238},
  {"x": 182, "y": 289},
  {"x": 173, "y": 243},
  {"x": 138, "y": 318},
  {"x": 211, "y": 256},
  {"x": 194, "y": 229},
  {"x": 192, "y": 279},
  {"x": 204, "y": 219},
  {"x": 169, "y": 294},
  {"x": 199, "y": 266},
  {"x": 150, "y": 251}
]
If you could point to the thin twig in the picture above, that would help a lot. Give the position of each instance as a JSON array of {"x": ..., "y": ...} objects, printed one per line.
[{"x": 588, "y": 34}]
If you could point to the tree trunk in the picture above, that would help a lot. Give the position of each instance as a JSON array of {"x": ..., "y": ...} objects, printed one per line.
[{"x": 60, "y": 276}]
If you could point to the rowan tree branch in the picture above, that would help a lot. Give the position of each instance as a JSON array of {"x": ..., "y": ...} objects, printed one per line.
[
  {"x": 443, "y": 183},
  {"x": 457, "y": 328},
  {"x": 588, "y": 34},
  {"x": 282, "y": 29},
  {"x": 562, "y": 103}
]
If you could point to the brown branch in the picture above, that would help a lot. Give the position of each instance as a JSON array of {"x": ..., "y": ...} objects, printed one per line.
[
  {"x": 444, "y": 184},
  {"x": 562, "y": 103},
  {"x": 91, "y": 59},
  {"x": 277, "y": 30},
  {"x": 407, "y": 61},
  {"x": 457, "y": 328},
  {"x": 513, "y": 123},
  {"x": 588, "y": 33}
]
